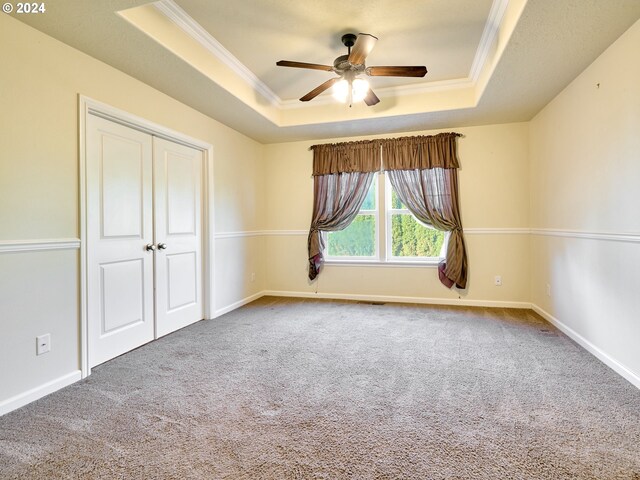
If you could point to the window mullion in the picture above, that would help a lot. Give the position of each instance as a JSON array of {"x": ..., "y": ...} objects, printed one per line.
[{"x": 385, "y": 205}]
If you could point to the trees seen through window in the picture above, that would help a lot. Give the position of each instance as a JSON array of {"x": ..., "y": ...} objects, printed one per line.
[{"x": 403, "y": 237}]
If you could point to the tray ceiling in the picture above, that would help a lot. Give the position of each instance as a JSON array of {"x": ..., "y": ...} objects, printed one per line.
[
  {"x": 444, "y": 35},
  {"x": 489, "y": 61}
]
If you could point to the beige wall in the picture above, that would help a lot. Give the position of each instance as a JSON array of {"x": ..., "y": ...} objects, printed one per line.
[
  {"x": 494, "y": 195},
  {"x": 574, "y": 167},
  {"x": 585, "y": 177},
  {"x": 40, "y": 79}
]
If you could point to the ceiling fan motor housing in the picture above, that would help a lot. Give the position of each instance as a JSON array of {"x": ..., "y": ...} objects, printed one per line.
[
  {"x": 349, "y": 39},
  {"x": 341, "y": 65}
]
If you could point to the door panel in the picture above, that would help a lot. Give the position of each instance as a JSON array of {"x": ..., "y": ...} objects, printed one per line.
[
  {"x": 182, "y": 288},
  {"x": 119, "y": 225},
  {"x": 122, "y": 187},
  {"x": 178, "y": 225},
  {"x": 122, "y": 291},
  {"x": 182, "y": 181}
]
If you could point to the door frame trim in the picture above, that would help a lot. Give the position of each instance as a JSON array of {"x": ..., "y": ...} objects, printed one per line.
[{"x": 88, "y": 106}]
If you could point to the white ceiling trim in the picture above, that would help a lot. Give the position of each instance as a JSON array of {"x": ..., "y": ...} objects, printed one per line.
[
  {"x": 192, "y": 28},
  {"x": 491, "y": 29}
]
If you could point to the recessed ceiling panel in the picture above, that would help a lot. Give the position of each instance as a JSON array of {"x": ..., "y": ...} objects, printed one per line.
[{"x": 443, "y": 35}]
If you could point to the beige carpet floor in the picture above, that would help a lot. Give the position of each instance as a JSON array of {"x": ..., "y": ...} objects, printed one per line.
[{"x": 305, "y": 389}]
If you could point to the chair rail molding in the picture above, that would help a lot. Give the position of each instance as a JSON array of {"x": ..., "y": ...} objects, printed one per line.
[
  {"x": 497, "y": 231},
  {"x": 289, "y": 233},
  {"x": 261, "y": 233},
  {"x": 547, "y": 232},
  {"x": 603, "y": 236},
  {"x": 34, "y": 245}
]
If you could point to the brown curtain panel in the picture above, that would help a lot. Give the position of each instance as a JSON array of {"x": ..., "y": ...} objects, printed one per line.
[
  {"x": 337, "y": 199},
  {"x": 342, "y": 175},
  {"x": 431, "y": 195},
  {"x": 423, "y": 172}
]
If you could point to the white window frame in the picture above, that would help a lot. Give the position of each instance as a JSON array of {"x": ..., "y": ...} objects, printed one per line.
[
  {"x": 383, "y": 244},
  {"x": 376, "y": 246},
  {"x": 389, "y": 212}
]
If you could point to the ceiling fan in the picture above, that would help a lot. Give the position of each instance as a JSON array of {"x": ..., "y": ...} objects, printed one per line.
[{"x": 348, "y": 86}]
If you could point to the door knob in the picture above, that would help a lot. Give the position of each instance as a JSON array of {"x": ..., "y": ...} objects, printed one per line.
[
  {"x": 162, "y": 246},
  {"x": 149, "y": 247}
]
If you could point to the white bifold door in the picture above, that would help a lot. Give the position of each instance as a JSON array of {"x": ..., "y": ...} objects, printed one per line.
[{"x": 144, "y": 237}]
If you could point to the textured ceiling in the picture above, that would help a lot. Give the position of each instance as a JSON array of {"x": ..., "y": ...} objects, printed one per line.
[{"x": 551, "y": 43}]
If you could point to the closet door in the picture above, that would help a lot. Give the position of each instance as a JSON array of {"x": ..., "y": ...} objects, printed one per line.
[
  {"x": 119, "y": 239},
  {"x": 178, "y": 234}
]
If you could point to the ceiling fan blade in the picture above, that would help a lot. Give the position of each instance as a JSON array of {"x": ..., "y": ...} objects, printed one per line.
[
  {"x": 319, "y": 89},
  {"x": 363, "y": 46},
  {"x": 396, "y": 71},
  {"x": 371, "y": 98},
  {"x": 312, "y": 66}
]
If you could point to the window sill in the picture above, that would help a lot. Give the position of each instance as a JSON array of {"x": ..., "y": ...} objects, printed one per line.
[{"x": 389, "y": 264}]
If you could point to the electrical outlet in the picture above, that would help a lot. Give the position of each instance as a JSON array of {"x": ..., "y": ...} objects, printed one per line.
[
  {"x": 548, "y": 290},
  {"x": 497, "y": 280},
  {"x": 253, "y": 277},
  {"x": 43, "y": 344}
]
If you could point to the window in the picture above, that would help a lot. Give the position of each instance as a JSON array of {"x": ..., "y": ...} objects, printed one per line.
[
  {"x": 407, "y": 237},
  {"x": 384, "y": 230},
  {"x": 360, "y": 239}
]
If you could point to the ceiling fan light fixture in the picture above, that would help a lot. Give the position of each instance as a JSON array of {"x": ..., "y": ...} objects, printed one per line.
[
  {"x": 349, "y": 91},
  {"x": 341, "y": 91},
  {"x": 360, "y": 88}
]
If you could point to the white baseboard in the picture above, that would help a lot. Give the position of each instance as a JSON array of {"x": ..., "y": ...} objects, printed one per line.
[
  {"x": 604, "y": 357},
  {"x": 399, "y": 299},
  {"x": 238, "y": 304},
  {"x": 43, "y": 390}
]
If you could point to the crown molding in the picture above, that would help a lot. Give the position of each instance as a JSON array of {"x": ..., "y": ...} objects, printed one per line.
[
  {"x": 193, "y": 29},
  {"x": 491, "y": 29}
]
